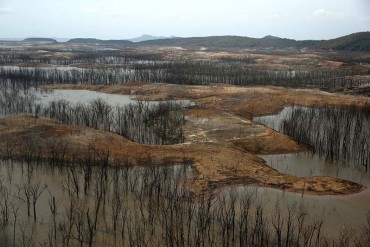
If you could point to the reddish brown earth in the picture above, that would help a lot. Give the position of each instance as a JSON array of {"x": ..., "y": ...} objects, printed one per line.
[{"x": 221, "y": 140}]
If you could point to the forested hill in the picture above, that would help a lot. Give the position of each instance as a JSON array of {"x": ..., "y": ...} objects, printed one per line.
[
  {"x": 40, "y": 40},
  {"x": 352, "y": 42},
  {"x": 231, "y": 42}
]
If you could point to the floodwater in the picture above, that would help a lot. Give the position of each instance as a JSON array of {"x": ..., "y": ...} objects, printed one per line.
[
  {"x": 75, "y": 96},
  {"x": 59, "y": 183},
  {"x": 308, "y": 164},
  {"x": 107, "y": 49},
  {"x": 12, "y": 47},
  {"x": 45, "y": 97},
  {"x": 275, "y": 121},
  {"x": 338, "y": 212},
  {"x": 61, "y": 68}
]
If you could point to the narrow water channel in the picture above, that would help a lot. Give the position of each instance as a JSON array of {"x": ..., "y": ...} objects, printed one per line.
[{"x": 338, "y": 212}]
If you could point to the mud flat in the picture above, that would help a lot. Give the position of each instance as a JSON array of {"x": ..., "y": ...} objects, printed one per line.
[
  {"x": 217, "y": 164},
  {"x": 221, "y": 140}
]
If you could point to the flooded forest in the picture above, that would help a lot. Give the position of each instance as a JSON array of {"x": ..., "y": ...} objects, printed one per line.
[{"x": 167, "y": 146}]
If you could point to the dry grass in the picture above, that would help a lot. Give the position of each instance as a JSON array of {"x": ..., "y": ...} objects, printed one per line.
[
  {"x": 220, "y": 140},
  {"x": 217, "y": 163},
  {"x": 242, "y": 101}
]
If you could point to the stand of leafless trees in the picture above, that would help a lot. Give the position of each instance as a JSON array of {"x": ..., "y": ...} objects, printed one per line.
[
  {"x": 146, "y": 206},
  {"x": 338, "y": 134},
  {"x": 144, "y": 122},
  {"x": 83, "y": 199},
  {"x": 180, "y": 72}
]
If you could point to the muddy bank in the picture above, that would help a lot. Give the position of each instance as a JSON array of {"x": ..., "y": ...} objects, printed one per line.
[
  {"x": 221, "y": 142},
  {"x": 217, "y": 162},
  {"x": 242, "y": 101}
]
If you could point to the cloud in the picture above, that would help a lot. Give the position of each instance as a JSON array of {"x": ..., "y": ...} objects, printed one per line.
[
  {"x": 6, "y": 11},
  {"x": 322, "y": 12}
]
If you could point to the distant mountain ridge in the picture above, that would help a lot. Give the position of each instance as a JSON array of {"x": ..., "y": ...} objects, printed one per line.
[
  {"x": 49, "y": 40},
  {"x": 353, "y": 42},
  {"x": 91, "y": 41},
  {"x": 147, "y": 37},
  {"x": 234, "y": 42}
]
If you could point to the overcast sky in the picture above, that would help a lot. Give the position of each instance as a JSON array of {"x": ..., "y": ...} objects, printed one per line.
[{"x": 123, "y": 19}]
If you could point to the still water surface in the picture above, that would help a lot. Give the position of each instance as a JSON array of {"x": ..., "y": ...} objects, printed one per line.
[{"x": 338, "y": 212}]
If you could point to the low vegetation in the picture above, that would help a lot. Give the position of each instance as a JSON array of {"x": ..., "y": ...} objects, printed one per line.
[{"x": 162, "y": 174}]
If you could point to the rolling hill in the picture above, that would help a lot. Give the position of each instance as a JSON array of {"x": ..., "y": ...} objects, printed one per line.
[
  {"x": 44, "y": 40},
  {"x": 225, "y": 42},
  {"x": 352, "y": 42}
]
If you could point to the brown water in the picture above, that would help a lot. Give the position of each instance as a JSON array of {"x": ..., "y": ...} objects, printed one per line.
[
  {"x": 275, "y": 121},
  {"x": 58, "y": 182},
  {"x": 338, "y": 212},
  {"x": 44, "y": 97}
]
